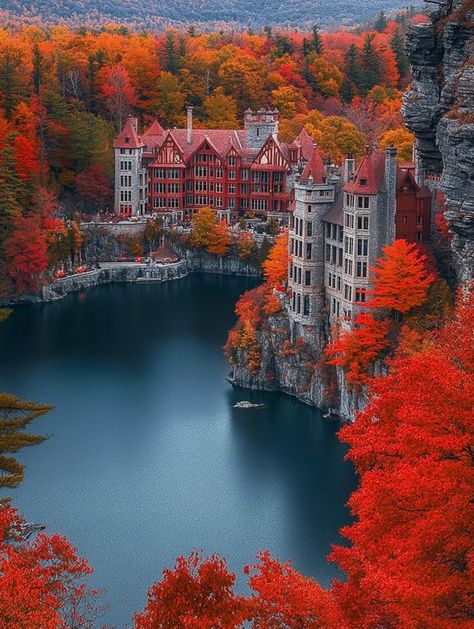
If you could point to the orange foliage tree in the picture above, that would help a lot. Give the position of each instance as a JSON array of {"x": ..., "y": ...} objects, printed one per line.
[
  {"x": 275, "y": 267},
  {"x": 220, "y": 239},
  {"x": 401, "y": 278}
]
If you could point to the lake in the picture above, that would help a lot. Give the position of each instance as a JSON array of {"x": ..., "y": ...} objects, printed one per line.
[{"x": 147, "y": 458}]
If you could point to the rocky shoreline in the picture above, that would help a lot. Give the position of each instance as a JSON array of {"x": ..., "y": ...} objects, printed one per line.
[{"x": 192, "y": 262}]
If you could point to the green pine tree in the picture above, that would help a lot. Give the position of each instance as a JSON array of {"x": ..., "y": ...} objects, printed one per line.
[
  {"x": 380, "y": 23},
  {"x": 371, "y": 66},
  {"x": 353, "y": 73},
  {"x": 398, "y": 46},
  {"x": 15, "y": 416},
  {"x": 316, "y": 41}
]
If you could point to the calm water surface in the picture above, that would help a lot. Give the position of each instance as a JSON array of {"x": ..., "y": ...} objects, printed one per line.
[{"x": 148, "y": 458}]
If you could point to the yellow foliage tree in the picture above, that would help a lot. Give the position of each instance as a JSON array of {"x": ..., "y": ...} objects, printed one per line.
[
  {"x": 203, "y": 224},
  {"x": 402, "y": 139}
]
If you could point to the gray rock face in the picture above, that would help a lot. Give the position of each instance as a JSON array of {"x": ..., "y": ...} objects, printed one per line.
[
  {"x": 439, "y": 110},
  {"x": 297, "y": 369}
]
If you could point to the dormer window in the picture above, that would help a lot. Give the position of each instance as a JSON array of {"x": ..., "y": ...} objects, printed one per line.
[
  {"x": 363, "y": 182},
  {"x": 127, "y": 140}
]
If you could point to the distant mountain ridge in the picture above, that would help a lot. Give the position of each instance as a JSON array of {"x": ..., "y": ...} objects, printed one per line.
[{"x": 203, "y": 13}]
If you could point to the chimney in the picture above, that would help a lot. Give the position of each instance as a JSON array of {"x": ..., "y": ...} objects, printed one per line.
[
  {"x": 349, "y": 168},
  {"x": 189, "y": 127},
  {"x": 391, "y": 190}
]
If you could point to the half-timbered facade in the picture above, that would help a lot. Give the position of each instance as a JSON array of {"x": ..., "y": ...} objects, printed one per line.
[{"x": 235, "y": 172}]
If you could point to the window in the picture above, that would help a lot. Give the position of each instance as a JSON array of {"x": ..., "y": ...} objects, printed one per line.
[
  {"x": 363, "y": 222},
  {"x": 306, "y": 305},
  {"x": 360, "y": 295},
  {"x": 419, "y": 236},
  {"x": 338, "y": 282},
  {"x": 160, "y": 188},
  {"x": 419, "y": 220},
  {"x": 333, "y": 254},
  {"x": 219, "y": 173},
  {"x": 405, "y": 219},
  {"x": 339, "y": 256},
  {"x": 349, "y": 220},
  {"x": 173, "y": 203},
  {"x": 231, "y": 188},
  {"x": 340, "y": 233},
  {"x": 218, "y": 187},
  {"x": 232, "y": 160},
  {"x": 218, "y": 201},
  {"x": 307, "y": 278},
  {"x": 159, "y": 173},
  {"x": 231, "y": 174},
  {"x": 308, "y": 250},
  {"x": 309, "y": 228},
  {"x": 173, "y": 173},
  {"x": 362, "y": 246},
  {"x": 244, "y": 188},
  {"x": 361, "y": 269},
  {"x": 173, "y": 188},
  {"x": 200, "y": 186},
  {"x": 231, "y": 203},
  {"x": 259, "y": 204},
  {"x": 328, "y": 230},
  {"x": 328, "y": 253},
  {"x": 159, "y": 202},
  {"x": 363, "y": 202},
  {"x": 200, "y": 171},
  {"x": 310, "y": 208},
  {"x": 244, "y": 173},
  {"x": 347, "y": 292}
]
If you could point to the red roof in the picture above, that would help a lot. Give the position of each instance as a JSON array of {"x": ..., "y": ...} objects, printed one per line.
[
  {"x": 128, "y": 138},
  {"x": 314, "y": 168},
  {"x": 154, "y": 129},
  {"x": 369, "y": 176}
]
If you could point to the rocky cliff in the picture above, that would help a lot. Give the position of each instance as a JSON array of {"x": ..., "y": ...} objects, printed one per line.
[
  {"x": 439, "y": 110},
  {"x": 294, "y": 363}
]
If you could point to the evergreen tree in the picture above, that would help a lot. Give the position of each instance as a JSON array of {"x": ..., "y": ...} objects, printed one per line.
[
  {"x": 371, "y": 66},
  {"x": 171, "y": 63},
  {"x": 13, "y": 191},
  {"x": 353, "y": 74},
  {"x": 268, "y": 31},
  {"x": 12, "y": 82},
  {"x": 38, "y": 68},
  {"x": 316, "y": 42},
  {"x": 15, "y": 416},
  {"x": 398, "y": 46},
  {"x": 380, "y": 23},
  {"x": 282, "y": 46}
]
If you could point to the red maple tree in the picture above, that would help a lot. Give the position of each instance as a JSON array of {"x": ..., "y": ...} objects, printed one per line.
[
  {"x": 197, "y": 594},
  {"x": 42, "y": 581},
  {"x": 357, "y": 348},
  {"x": 411, "y": 563}
]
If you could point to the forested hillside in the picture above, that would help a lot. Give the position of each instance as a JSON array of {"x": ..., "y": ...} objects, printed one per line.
[
  {"x": 65, "y": 93},
  {"x": 238, "y": 13}
]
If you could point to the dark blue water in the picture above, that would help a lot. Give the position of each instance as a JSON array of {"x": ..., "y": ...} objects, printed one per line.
[{"x": 147, "y": 458}]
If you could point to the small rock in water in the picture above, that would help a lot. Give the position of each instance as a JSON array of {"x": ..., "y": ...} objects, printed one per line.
[{"x": 246, "y": 404}]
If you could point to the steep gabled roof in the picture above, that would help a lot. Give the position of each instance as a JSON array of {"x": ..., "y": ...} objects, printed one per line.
[
  {"x": 314, "y": 168},
  {"x": 306, "y": 143},
  {"x": 128, "y": 138},
  {"x": 369, "y": 176},
  {"x": 154, "y": 129}
]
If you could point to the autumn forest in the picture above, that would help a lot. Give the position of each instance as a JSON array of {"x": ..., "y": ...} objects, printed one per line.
[{"x": 406, "y": 558}]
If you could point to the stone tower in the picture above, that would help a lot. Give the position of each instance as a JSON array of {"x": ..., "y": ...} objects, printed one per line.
[
  {"x": 260, "y": 125},
  {"x": 314, "y": 195},
  {"x": 130, "y": 176}
]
